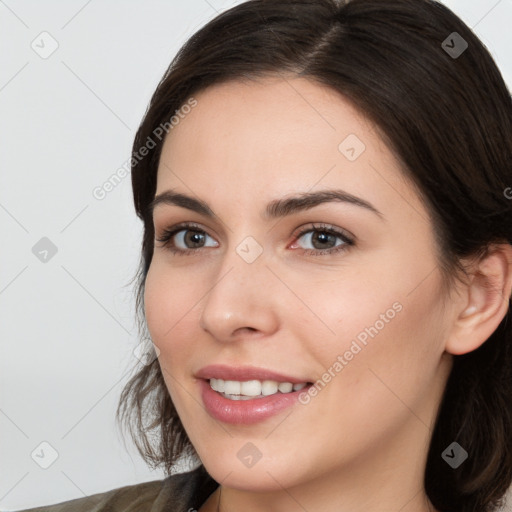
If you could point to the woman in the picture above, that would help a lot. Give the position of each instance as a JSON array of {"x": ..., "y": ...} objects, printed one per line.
[{"x": 326, "y": 266}]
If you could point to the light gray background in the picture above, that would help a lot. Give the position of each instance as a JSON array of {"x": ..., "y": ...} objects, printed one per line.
[{"x": 67, "y": 326}]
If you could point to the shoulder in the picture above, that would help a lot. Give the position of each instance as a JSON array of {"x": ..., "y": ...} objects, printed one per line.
[{"x": 176, "y": 493}]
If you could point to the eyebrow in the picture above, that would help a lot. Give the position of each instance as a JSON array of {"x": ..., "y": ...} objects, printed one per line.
[{"x": 275, "y": 209}]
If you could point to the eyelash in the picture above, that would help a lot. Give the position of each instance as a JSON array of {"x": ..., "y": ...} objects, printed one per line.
[{"x": 323, "y": 228}]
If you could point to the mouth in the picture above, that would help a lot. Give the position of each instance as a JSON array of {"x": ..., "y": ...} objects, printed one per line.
[
  {"x": 253, "y": 389},
  {"x": 247, "y": 395}
]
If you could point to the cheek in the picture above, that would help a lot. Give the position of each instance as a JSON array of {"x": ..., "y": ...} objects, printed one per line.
[
  {"x": 171, "y": 302},
  {"x": 398, "y": 347},
  {"x": 169, "y": 298},
  {"x": 379, "y": 381},
  {"x": 352, "y": 309},
  {"x": 381, "y": 323}
]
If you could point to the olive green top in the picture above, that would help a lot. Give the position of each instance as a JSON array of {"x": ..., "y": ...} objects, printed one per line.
[{"x": 180, "y": 492}]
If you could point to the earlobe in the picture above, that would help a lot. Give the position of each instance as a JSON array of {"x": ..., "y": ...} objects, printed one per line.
[
  {"x": 487, "y": 301},
  {"x": 469, "y": 311}
]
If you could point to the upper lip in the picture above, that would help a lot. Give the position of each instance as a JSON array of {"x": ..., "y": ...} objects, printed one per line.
[{"x": 243, "y": 373}]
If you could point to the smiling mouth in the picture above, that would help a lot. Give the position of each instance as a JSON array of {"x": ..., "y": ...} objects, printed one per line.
[{"x": 253, "y": 389}]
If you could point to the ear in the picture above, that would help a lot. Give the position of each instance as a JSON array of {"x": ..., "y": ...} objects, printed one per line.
[{"x": 485, "y": 301}]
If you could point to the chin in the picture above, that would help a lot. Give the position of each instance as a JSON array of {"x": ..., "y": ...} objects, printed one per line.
[{"x": 264, "y": 476}]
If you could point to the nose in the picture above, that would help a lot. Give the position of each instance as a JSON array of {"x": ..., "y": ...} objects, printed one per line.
[{"x": 242, "y": 300}]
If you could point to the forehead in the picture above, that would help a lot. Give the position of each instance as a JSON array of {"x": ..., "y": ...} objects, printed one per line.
[
  {"x": 267, "y": 138},
  {"x": 277, "y": 112}
]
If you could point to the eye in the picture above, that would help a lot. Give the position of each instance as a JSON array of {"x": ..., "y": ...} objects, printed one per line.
[
  {"x": 185, "y": 238},
  {"x": 324, "y": 239}
]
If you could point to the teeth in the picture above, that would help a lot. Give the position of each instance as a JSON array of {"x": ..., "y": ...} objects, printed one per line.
[
  {"x": 269, "y": 387},
  {"x": 217, "y": 385},
  {"x": 245, "y": 390},
  {"x": 232, "y": 387},
  {"x": 250, "y": 388},
  {"x": 285, "y": 387}
]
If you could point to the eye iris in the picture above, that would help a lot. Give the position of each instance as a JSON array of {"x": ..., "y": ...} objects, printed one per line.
[
  {"x": 323, "y": 237},
  {"x": 194, "y": 237}
]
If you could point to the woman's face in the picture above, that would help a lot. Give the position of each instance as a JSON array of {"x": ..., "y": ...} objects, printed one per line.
[{"x": 280, "y": 280}]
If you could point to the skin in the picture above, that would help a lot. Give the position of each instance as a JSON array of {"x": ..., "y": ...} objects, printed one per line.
[{"x": 361, "y": 443}]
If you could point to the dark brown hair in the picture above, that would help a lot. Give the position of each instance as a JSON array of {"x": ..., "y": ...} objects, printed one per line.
[{"x": 447, "y": 118}]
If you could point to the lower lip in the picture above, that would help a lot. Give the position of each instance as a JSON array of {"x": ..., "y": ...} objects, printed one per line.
[{"x": 245, "y": 412}]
